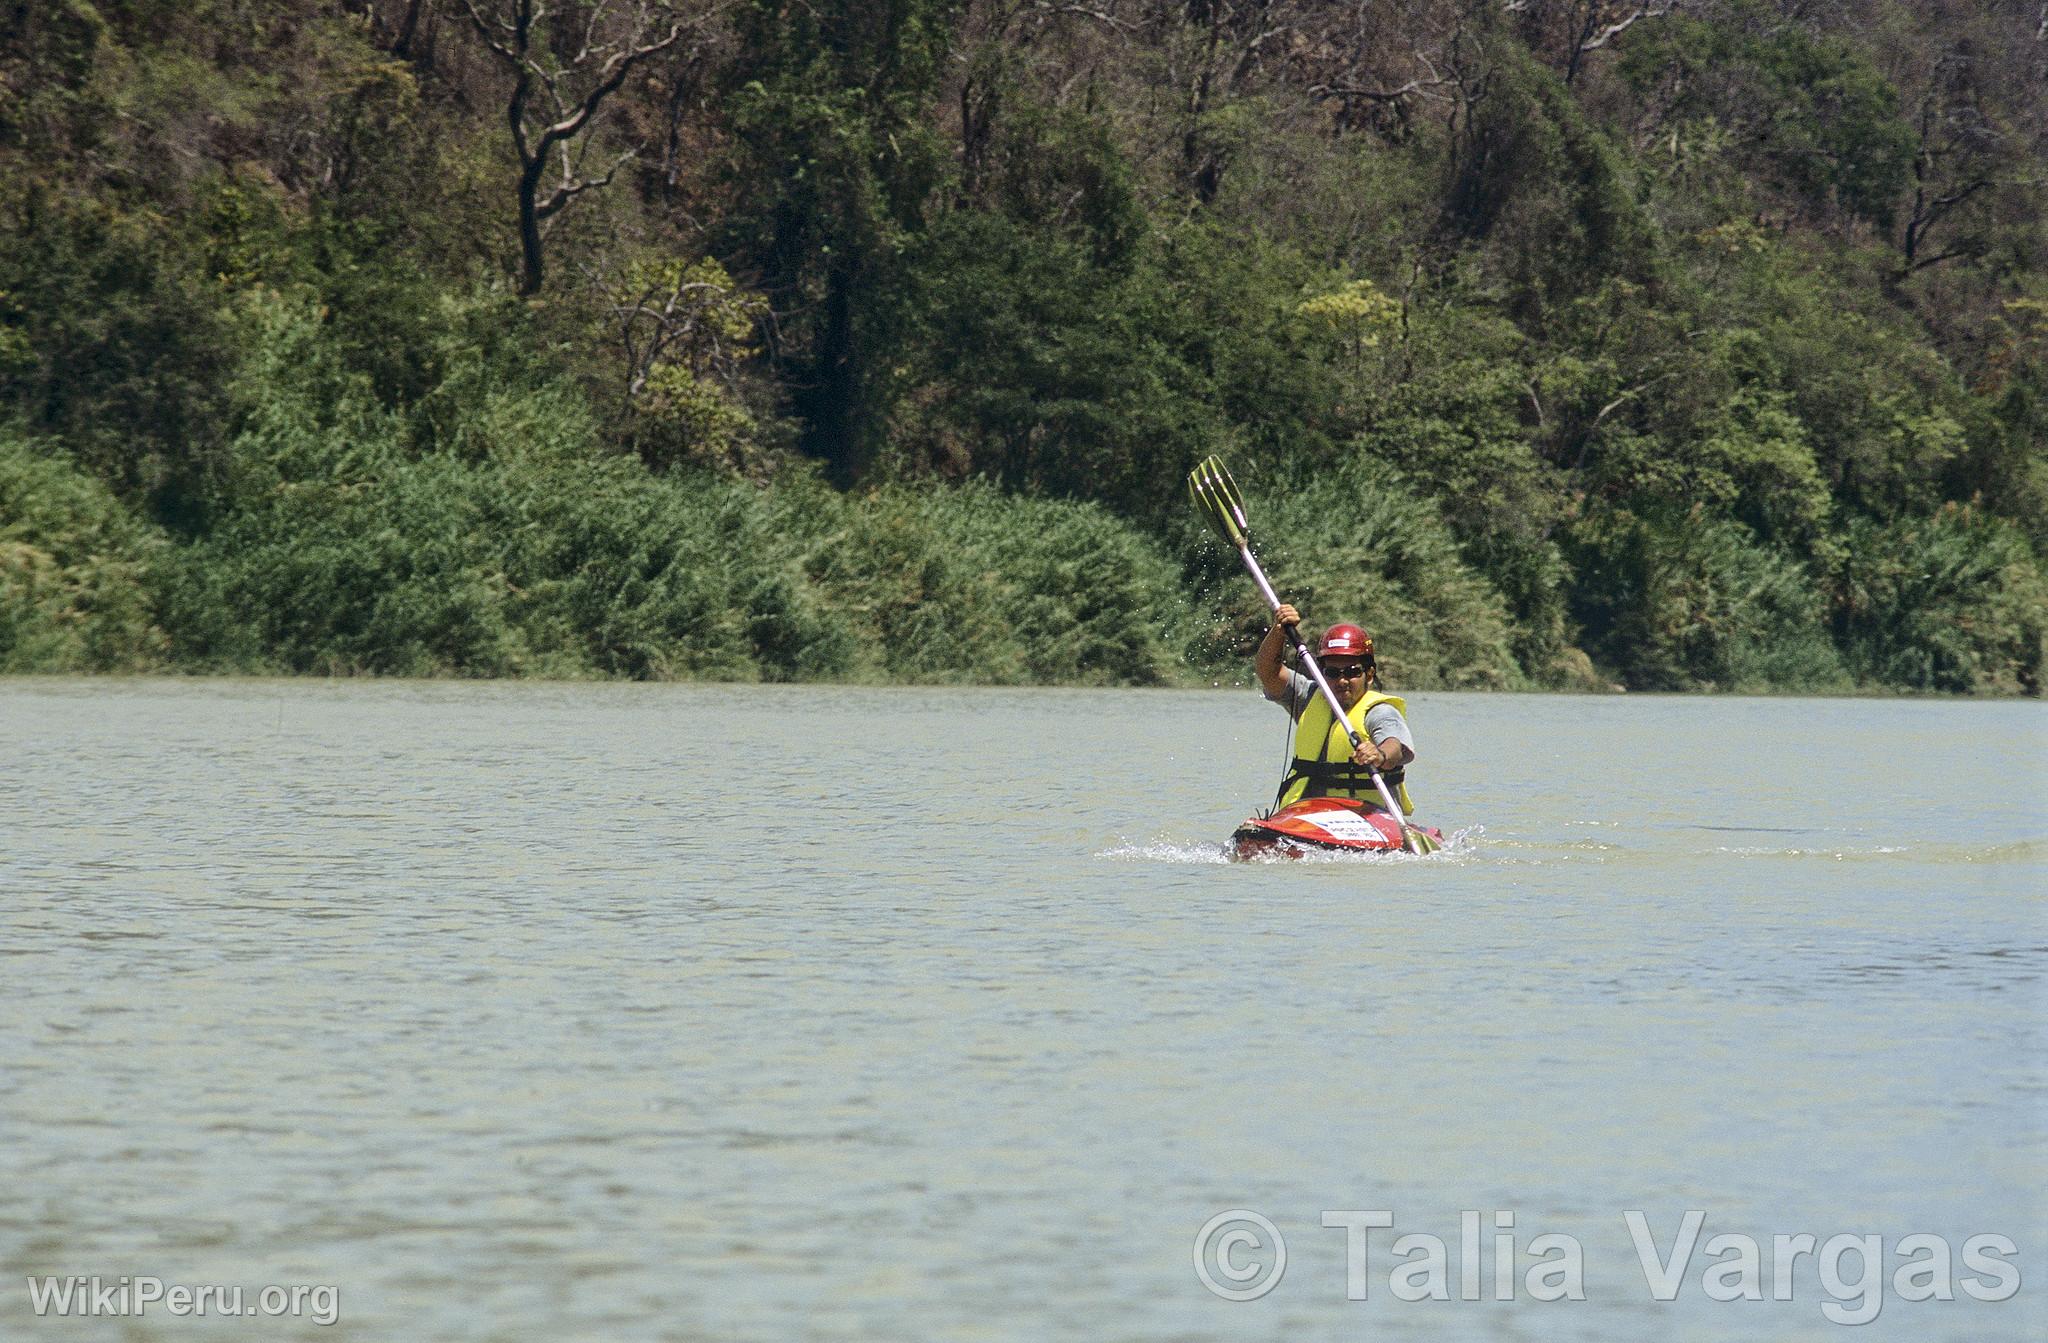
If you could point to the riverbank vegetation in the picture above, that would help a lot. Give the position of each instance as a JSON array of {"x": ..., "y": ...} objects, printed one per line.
[{"x": 1699, "y": 344}]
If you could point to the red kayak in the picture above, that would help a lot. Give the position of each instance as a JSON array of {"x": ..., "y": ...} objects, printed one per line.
[{"x": 1321, "y": 825}]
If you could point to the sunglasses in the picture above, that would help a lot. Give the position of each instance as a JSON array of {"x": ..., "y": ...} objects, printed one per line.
[{"x": 1346, "y": 673}]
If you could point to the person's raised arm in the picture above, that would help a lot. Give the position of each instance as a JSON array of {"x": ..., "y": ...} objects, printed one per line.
[{"x": 1272, "y": 675}]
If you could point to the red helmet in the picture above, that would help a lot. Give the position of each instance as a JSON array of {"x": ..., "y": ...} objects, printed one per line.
[{"x": 1347, "y": 641}]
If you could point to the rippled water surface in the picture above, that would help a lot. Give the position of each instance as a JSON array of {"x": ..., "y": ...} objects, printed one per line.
[{"x": 621, "y": 1012}]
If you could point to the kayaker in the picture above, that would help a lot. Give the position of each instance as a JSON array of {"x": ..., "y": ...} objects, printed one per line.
[{"x": 1324, "y": 765}]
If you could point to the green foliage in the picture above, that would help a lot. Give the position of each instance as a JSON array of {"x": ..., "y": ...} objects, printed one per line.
[
  {"x": 48, "y": 52},
  {"x": 440, "y": 567},
  {"x": 1716, "y": 425},
  {"x": 482, "y": 537},
  {"x": 1356, "y": 314},
  {"x": 1686, "y": 601},
  {"x": 1884, "y": 412},
  {"x": 1054, "y": 373},
  {"x": 1546, "y": 190},
  {"x": 74, "y": 568},
  {"x": 1713, "y": 362},
  {"x": 1955, "y": 602},
  {"x": 1051, "y": 170},
  {"x": 1354, "y": 542},
  {"x": 683, "y": 330},
  {"x": 971, "y": 584},
  {"x": 1444, "y": 409},
  {"x": 513, "y": 546},
  {"x": 1771, "y": 390},
  {"x": 1811, "y": 112},
  {"x": 2006, "y": 468},
  {"x": 837, "y": 159},
  {"x": 111, "y": 347}
]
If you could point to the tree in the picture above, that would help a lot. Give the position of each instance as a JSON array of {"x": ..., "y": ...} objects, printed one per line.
[
  {"x": 1214, "y": 50},
  {"x": 564, "y": 67},
  {"x": 683, "y": 332},
  {"x": 1979, "y": 125},
  {"x": 836, "y": 162},
  {"x": 47, "y": 55}
]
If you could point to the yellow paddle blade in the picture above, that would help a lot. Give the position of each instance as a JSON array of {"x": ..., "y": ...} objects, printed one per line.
[{"x": 1215, "y": 493}]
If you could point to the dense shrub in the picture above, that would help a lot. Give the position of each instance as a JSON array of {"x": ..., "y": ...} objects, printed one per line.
[
  {"x": 357, "y": 538},
  {"x": 1688, "y": 601},
  {"x": 1355, "y": 542},
  {"x": 1070, "y": 593},
  {"x": 74, "y": 566},
  {"x": 1955, "y": 601}
]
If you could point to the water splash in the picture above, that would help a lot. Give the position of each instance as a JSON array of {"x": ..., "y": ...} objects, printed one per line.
[{"x": 1169, "y": 851}]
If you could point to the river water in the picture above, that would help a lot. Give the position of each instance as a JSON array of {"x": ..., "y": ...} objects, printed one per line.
[{"x": 549, "y": 1012}]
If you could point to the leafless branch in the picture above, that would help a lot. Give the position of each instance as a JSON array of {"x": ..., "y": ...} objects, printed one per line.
[
  {"x": 575, "y": 187},
  {"x": 1413, "y": 88},
  {"x": 1628, "y": 394},
  {"x": 1103, "y": 17},
  {"x": 1617, "y": 28},
  {"x": 589, "y": 32},
  {"x": 665, "y": 330},
  {"x": 483, "y": 28}
]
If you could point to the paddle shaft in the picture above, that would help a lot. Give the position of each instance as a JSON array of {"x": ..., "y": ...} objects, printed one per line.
[{"x": 1244, "y": 552}]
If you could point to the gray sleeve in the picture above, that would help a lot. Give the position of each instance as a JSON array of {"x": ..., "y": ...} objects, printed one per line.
[
  {"x": 1300, "y": 690},
  {"x": 1383, "y": 721}
]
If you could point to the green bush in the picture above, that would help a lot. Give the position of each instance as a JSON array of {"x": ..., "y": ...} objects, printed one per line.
[
  {"x": 1690, "y": 601},
  {"x": 495, "y": 536},
  {"x": 1953, "y": 602},
  {"x": 667, "y": 576},
  {"x": 74, "y": 568},
  {"x": 1082, "y": 596},
  {"x": 1355, "y": 542},
  {"x": 970, "y": 584},
  {"x": 1810, "y": 114}
]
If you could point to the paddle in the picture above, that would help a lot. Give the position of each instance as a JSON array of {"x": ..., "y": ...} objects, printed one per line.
[{"x": 1216, "y": 494}]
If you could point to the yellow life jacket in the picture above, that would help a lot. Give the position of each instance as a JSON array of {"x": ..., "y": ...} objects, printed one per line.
[{"x": 1322, "y": 755}]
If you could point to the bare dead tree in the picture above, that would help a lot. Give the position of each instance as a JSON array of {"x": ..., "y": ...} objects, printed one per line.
[
  {"x": 562, "y": 73},
  {"x": 1359, "y": 97}
]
